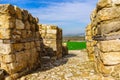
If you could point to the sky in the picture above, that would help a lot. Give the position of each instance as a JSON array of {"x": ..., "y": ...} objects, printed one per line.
[{"x": 70, "y": 15}]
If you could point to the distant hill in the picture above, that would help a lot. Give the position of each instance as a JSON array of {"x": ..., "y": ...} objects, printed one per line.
[
  {"x": 71, "y": 35},
  {"x": 74, "y": 37}
]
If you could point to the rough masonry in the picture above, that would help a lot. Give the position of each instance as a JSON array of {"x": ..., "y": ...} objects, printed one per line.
[
  {"x": 52, "y": 40},
  {"x": 90, "y": 42},
  {"x": 23, "y": 41},
  {"x": 104, "y": 29}
]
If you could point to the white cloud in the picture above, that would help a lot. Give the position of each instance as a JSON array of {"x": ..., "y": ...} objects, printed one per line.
[{"x": 65, "y": 14}]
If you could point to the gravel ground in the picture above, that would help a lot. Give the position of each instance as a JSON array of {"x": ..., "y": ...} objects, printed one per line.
[{"x": 75, "y": 66}]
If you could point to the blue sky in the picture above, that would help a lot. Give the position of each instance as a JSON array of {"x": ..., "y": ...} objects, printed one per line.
[{"x": 70, "y": 15}]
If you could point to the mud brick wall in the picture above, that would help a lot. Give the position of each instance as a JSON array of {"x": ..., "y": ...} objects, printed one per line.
[
  {"x": 19, "y": 39},
  {"x": 52, "y": 40},
  {"x": 105, "y": 24}
]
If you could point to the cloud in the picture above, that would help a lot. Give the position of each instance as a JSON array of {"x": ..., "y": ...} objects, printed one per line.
[
  {"x": 64, "y": 12},
  {"x": 71, "y": 15}
]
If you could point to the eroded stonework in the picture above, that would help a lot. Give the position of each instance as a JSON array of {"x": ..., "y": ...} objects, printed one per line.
[
  {"x": 23, "y": 41},
  {"x": 105, "y": 30}
]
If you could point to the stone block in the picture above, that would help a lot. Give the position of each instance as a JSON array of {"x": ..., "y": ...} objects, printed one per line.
[
  {"x": 18, "y": 12},
  {"x": 28, "y": 34},
  {"x": 90, "y": 50},
  {"x": 34, "y": 56},
  {"x": 19, "y": 24},
  {"x": 5, "y": 33},
  {"x": 37, "y": 43},
  {"x": 88, "y": 33},
  {"x": 111, "y": 58},
  {"x": 27, "y": 25},
  {"x": 104, "y": 3},
  {"x": 108, "y": 14},
  {"x": 7, "y": 21},
  {"x": 54, "y": 27},
  {"x": 88, "y": 37},
  {"x": 100, "y": 68},
  {"x": 6, "y": 48},
  {"x": 7, "y": 58},
  {"x": 4, "y": 67},
  {"x": 27, "y": 45},
  {"x": 16, "y": 37},
  {"x": 24, "y": 33},
  {"x": 32, "y": 45},
  {"x": 109, "y": 27},
  {"x": 116, "y": 2},
  {"x": 20, "y": 63},
  {"x": 7, "y": 9},
  {"x": 18, "y": 46},
  {"x": 109, "y": 46},
  {"x": 16, "y": 32},
  {"x": 88, "y": 44},
  {"x": 51, "y": 36},
  {"x": 51, "y": 31},
  {"x": 24, "y": 14},
  {"x": 28, "y": 55}
]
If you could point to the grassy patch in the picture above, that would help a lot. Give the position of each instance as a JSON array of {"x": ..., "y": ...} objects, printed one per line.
[{"x": 76, "y": 45}]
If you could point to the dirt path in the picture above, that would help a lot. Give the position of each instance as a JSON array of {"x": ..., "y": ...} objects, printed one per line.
[{"x": 74, "y": 66}]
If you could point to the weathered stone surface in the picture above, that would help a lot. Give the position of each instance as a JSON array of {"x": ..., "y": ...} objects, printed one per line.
[
  {"x": 105, "y": 29},
  {"x": 104, "y": 3},
  {"x": 109, "y": 46},
  {"x": 6, "y": 21},
  {"x": 90, "y": 43},
  {"x": 111, "y": 58},
  {"x": 116, "y": 2},
  {"x": 18, "y": 36},
  {"x": 5, "y": 48},
  {"x": 23, "y": 41},
  {"x": 18, "y": 12},
  {"x": 27, "y": 45},
  {"x": 52, "y": 39},
  {"x": 51, "y": 31},
  {"x": 27, "y": 25},
  {"x": 109, "y": 27},
  {"x": 5, "y": 33},
  {"x": 8, "y": 58},
  {"x": 108, "y": 14},
  {"x": 7, "y": 9},
  {"x": 19, "y": 24}
]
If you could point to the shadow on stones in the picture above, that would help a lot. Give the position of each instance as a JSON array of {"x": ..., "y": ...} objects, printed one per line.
[{"x": 47, "y": 63}]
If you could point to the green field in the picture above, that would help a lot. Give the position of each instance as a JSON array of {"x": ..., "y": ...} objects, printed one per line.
[{"x": 76, "y": 45}]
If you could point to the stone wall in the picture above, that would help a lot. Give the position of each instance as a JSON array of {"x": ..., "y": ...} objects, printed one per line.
[
  {"x": 18, "y": 39},
  {"x": 90, "y": 42},
  {"x": 52, "y": 40},
  {"x": 105, "y": 24},
  {"x": 23, "y": 41}
]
